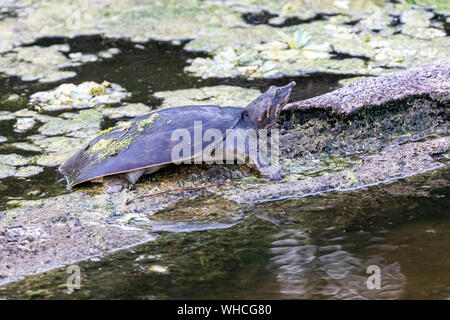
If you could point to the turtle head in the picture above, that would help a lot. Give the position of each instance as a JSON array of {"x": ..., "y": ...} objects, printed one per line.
[{"x": 264, "y": 111}]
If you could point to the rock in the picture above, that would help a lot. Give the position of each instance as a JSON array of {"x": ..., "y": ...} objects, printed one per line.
[{"x": 432, "y": 80}]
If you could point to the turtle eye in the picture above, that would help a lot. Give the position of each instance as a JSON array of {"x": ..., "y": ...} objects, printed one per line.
[{"x": 278, "y": 91}]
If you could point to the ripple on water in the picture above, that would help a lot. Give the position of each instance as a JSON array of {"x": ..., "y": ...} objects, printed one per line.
[{"x": 306, "y": 268}]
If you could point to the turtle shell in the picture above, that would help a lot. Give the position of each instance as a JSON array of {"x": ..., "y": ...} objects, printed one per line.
[{"x": 146, "y": 141}]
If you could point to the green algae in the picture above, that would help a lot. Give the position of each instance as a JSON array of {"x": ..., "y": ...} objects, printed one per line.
[
  {"x": 86, "y": 95},
  {"x": 36, "y": 63},
  {"x": 59, "y": 144},
  {"x": 86, "y": 119},
  {"x": 130, "y": 110},
  {"x": 99, "y": 90},
  {"x": 28, "y": 171},
  {"x": 213, "y": 26},
  {"x": 107, "y": 131},
  {"x": 110, "y": 147},
  {"x": 218, "y": 95},
  {"x": 6, "y": 170},
  {"x": 24, "y": 124},
  {"x": 57, "y": 149},
  {"x": 441, "y": 6},
  {"x": 146, "y": 123},
  {"x": 26, "y": 146},
  {"x": 13, "y": 159},
  {"x": 54, "y": 159}
]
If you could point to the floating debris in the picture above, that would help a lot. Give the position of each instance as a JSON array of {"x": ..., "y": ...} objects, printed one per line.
[
  {"x": 6, "y": 170},
  {"x": 26, "y": 146},
  {"x": 85, "y": 95},
  {"x": 13, "y": 160},
  {"x": 131, "y": 110},
  {"x": 85, "y": 120},
  {"x": 218, "y": 95},
  {"x": 28, "y": 171},
  {"x": 37, "y": 63},
  {"x": 24, "y": 124},
  {"x": 6, "y": 115}
]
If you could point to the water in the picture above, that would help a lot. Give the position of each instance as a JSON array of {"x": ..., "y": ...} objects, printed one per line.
[{"x": 315, "y": 248}]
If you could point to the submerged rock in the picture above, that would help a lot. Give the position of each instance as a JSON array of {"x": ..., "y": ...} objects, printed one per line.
[{"x": 85, "y": 95}]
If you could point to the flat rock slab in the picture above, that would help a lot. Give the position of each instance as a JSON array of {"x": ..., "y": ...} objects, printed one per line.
[{"x": 432, "y": 80}]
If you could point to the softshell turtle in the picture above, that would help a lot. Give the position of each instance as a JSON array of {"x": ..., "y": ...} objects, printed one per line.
[{"x": 119, "y": 156}]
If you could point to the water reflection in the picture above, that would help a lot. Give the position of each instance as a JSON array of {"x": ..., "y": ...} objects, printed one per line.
[
  {"x": 311, "y": 269},
  {"x": 311, "y": 248}
]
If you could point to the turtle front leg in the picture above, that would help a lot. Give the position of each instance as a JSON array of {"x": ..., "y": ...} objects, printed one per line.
[
  {"x": 117, "y": 183},
  {"x": 267, "y": 171},
  {"x": 258, "y": 155}
]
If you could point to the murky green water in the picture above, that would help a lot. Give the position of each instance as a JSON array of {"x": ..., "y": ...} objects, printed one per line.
[{"x": 316, "y": 247}]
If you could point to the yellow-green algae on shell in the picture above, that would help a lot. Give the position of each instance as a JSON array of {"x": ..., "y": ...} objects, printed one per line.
[{"x": 110, "y": 147}]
